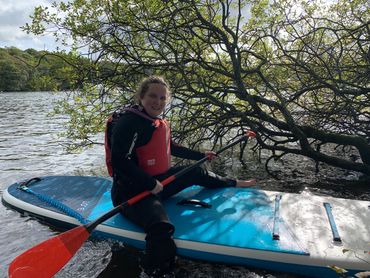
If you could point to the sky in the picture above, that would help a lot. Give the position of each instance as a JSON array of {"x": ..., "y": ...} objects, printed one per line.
[
  {"x": 16, "y": 13},
  {"x": 13, "y": 15}
]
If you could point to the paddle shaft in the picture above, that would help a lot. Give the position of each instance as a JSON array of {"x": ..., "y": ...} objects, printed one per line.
[
  {"x": 92, "y": 225},
  {"x": 48, "y": 257}
]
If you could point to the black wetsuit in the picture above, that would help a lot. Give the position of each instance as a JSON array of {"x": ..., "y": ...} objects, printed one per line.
[{"x": 130, "y": 132}]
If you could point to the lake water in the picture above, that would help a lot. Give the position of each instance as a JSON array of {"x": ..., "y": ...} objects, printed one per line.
[{"x": 30, "y": 147}]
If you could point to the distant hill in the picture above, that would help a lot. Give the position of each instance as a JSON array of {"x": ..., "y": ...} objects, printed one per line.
[{"x": 32, "y": 70}]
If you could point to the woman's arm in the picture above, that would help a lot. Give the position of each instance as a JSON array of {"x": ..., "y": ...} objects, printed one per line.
[{"x": 183, "y": 152}]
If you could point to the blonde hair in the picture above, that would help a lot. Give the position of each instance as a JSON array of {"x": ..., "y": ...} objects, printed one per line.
[{"x": 144, "y": 86}]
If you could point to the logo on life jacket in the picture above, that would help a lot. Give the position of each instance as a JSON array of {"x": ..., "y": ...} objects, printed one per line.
[{"x": 154, "y": 157}]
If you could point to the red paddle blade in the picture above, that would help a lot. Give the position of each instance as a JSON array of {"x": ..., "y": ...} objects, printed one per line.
[{"x": 48, "y": 257}]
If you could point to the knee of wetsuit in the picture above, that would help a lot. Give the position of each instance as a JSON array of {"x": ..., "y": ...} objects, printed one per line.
[{"x": 198, "y": 172}]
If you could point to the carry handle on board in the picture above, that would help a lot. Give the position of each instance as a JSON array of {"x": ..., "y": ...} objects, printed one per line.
[{"x": 48, "y": 257}]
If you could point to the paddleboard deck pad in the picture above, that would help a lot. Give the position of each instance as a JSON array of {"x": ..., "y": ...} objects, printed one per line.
[{"x": 265, "y": 229}]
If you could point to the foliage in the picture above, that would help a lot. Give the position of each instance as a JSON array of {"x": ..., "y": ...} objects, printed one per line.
[
  {"x": 297, "y": 72},
  {"x": 32, "y": 70}
]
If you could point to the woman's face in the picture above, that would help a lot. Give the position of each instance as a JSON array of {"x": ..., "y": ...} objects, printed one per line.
[{"x": 155, "y": 99}]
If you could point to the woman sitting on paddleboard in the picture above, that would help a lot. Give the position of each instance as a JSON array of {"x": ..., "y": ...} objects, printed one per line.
[{"x": 141, "y": 150}]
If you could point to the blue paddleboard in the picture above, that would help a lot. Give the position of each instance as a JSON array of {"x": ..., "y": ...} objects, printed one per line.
[{"x": 228, "y": 225}]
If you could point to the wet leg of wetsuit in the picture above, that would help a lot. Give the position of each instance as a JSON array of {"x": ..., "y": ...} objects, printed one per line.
[
  {"x": 160, "y": 251},
  {"x": 198, "y": 176}
]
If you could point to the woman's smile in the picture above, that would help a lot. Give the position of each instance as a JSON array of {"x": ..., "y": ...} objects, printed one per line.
[{"x": 155, "y": 99}]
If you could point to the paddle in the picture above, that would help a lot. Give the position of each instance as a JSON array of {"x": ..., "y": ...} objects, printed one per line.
[{"x": 48, "y": 257}]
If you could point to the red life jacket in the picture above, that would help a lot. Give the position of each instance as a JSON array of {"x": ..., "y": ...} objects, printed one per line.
[{"x": 154, "y": 157}]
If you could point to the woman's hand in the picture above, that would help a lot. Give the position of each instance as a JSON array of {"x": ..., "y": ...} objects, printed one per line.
[
  {"x": 210, "y": 155},
  {"x": 158, "y": 188}
]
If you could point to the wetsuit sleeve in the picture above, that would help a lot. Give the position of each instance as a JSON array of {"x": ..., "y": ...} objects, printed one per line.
[
  {"x": 126, "y": 136},
  {"x": 183, "y": 152}
]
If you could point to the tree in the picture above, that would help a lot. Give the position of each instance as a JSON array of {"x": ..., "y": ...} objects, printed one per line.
[
  {"x": 13, "y": 76},
  {"x": 33, "y": 70},
  {"x": 296, "y": 72}
]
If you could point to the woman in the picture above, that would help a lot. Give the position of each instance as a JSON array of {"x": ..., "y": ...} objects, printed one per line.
[{"x": 141, "y": 150}]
